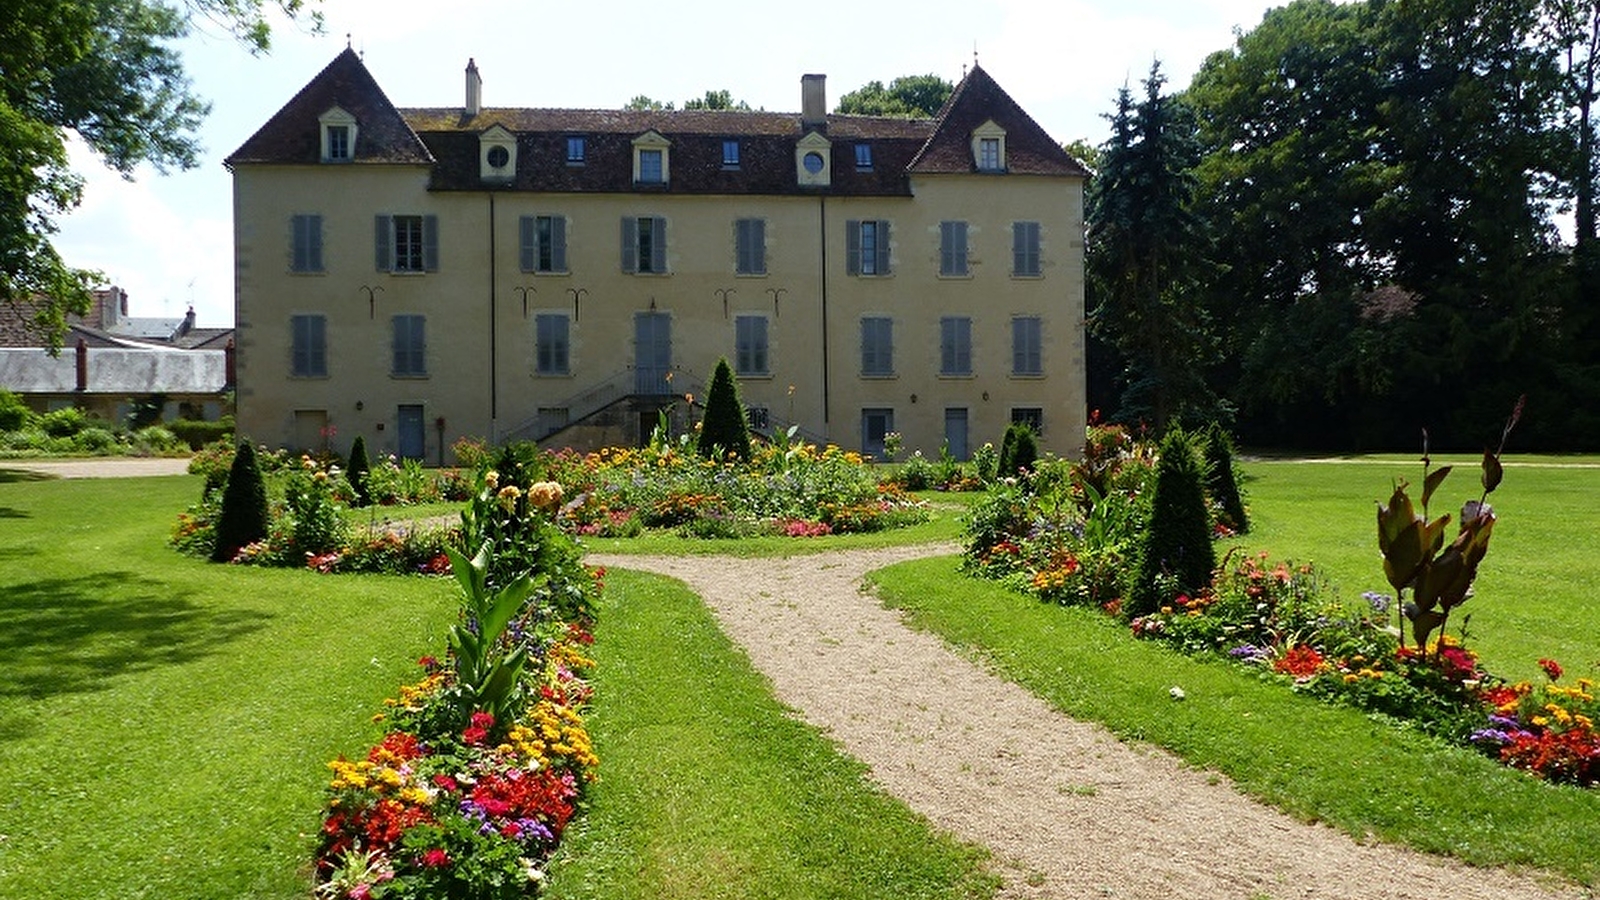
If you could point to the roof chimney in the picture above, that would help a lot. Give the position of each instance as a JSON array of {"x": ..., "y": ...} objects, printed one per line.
[
  {"x": 188, "y": 323},
  {"x": 813, "y": 100},
  {"x": 83, "y": 365},
  {"x": 474, "y": 89}
]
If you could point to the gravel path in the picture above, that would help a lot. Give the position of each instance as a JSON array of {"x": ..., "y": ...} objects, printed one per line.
[
  {"x": 101, "y": 466},
  {"x": 1066, "y": 809}
]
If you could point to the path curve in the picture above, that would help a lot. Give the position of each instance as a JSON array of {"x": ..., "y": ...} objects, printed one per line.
[{"x": 1066, "y": 809}]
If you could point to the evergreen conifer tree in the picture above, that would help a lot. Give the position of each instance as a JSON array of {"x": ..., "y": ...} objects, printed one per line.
[
  {"x": 356, "y": 472},
  {"x": 1177, "y": 556},
  {"x": 724, "y": 428},
  {"x": 1224, "y": 481},
  {"x": 244, "y": 516}
]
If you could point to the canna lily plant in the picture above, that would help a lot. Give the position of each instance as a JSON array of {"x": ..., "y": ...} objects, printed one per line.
[
  {"x": 487, "y": 671},
  {"x": 1415, "y": 555}
]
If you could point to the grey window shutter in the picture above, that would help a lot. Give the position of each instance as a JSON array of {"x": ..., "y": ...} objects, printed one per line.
[
  {"x": 852, "y": 247},
  {"x": 741, "y": 246},
  {"x": 430, "y": 243},
  {"x": 527, "y": 241},
  {"x": 558, "y": 243},
  {"x": 883, "y": 247},
  {"x": 630, "y": 244},
  {"x": 384, "y": 242},
  {"x": 314, "y": 245},
  {"x": 960, "y": 237},
  {"x": 658, "y": 246},
  {"x": 947, "y": 249},
  {"x": 758, "y": 246}
]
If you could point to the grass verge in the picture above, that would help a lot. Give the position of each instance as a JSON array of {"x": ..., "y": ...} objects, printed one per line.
[
  {"x": 1316, "y": 762},
  {"x": 164, "y": 722},
  {"x": 710, "y": 789}
]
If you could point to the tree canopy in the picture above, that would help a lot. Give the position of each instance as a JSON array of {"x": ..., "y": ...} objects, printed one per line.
[
  {"x": 722, "y": 99},
  {"x": 909, "y": 96},
  {"x": 1370, "y": 240},
  {"x": 107, "y": 71}
]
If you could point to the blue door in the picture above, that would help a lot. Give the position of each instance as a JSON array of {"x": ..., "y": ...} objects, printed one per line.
[
  {"x": 412, "y": 436},
  {"x": 652, "y": 353}
]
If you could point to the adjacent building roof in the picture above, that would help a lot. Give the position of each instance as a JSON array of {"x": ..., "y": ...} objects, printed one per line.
[
  {"x": 115, "y": 371},
  {"x": 447, "y": 140}
]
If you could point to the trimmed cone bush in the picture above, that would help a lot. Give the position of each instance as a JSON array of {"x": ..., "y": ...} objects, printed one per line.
[
  {"x": 1019, "y": 450},
  {"x": 357, "y": 471},
  {"x": 1224, "y": 480},
  {"x": 1177, "y": 555},
  {"x": 724, "y": 429},
  {"x": 244, "y": 515}
]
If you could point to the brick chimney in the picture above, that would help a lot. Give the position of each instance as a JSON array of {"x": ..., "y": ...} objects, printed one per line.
[
  {"x": 813, "y": 100},
  {"x": 83, "y": 366},
  {"x": 474, "y": 89}
]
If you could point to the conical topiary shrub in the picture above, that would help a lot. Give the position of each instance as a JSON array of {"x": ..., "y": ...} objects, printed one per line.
[
  {"x": 724, "y": 429},
  {"x": 1177, "y": 556},
  {"x": 244, "y": 516},
  {"x": 1224, "y": 481},
  {"x": 356, "y": 473},
  {"x": 1019, "y": 450}
]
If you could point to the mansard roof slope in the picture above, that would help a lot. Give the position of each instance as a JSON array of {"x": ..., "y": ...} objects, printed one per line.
[
  {"x": 978, "y": 99},
  {"x": 294, "y": 135}
]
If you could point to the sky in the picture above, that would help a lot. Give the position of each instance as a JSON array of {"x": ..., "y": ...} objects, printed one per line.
[{"x": 166, "y": 239}]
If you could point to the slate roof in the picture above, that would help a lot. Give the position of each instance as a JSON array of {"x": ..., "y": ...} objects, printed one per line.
[
  {"x": 447, "y": 139},
  {"x": 116, "y": 371},
  {"x": 294, "y": 135}
]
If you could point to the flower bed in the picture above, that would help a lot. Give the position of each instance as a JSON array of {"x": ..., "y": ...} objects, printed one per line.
[
  {"x": 1068, "y": 533},
  {"x": 484, "y": 760}
]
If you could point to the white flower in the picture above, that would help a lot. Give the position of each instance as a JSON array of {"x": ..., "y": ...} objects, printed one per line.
[{"x": 1177, "y": 692}]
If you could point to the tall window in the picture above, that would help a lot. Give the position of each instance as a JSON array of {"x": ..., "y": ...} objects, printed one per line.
[
  {"x": 750, "y": 345},
  {"x": 953, "y": 248},
  {"x": 338, "y": 142},
  {"x": 552, "y": 344},
  {"x": 730, "y": 154},
  {"x": 1026, "y": 346},
  {"x": 308, "y": 346},
  {"x": 866, "y": 247},
  {"x": 875, "y": 426},
  {"x": 989, "y": 154},
  {"x": 575, "y": 149},
  {"x": 955, "y": 432},
  {"x": 1025, "y": 248},
  {"x": 409, "y": 345},
  {"x": 955, "y": 345},
  {"x": 407, "y": 243},
  {"x": 644, "y": 244},
  {"x": 877, "y": 345},
  {"x": 305, "y": 253},
  {"x": 650, "y": 168},
  {"x": 544, "y": 243},
  {"x": 750, "y": 246}
]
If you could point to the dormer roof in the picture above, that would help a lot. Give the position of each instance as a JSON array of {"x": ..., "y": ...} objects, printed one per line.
[
  {"x": 977, "y": 100},
  {"x": 293, "y": 135}
]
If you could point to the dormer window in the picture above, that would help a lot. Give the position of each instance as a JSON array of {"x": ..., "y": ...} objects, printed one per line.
[
  {"x": 813, "y": 158},
  {"x": 338, "y": 135},
  {"x": 650, "y": 162},
  {"x": 863, "y": 157},
  {"x": 989, "y": 147},
  {"x": 575, "y": 150},
  {"x": 730, "y": 153},
  {"x": 497, "y": 155}
]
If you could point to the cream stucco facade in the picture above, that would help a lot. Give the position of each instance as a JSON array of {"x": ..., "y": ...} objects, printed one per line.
[{"x": 491, "y": 339}]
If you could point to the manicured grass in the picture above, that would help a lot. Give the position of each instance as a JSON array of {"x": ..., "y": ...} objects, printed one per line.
[
  {"x": 1538, "y": 589},
  {"x": 164, "y": 722},
  {"x": 710, "y": 789},
  {"x": 1315, "y": 761}
]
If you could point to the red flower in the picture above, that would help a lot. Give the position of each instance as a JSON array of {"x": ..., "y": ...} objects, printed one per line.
[
  {"x": 474, "y": 736},
  {"x": 435, "y": 858},
  {"x": 444, "y": 782},
  {"x": 1301, "y": 661},
  {"x": 1552, "y": 669}
]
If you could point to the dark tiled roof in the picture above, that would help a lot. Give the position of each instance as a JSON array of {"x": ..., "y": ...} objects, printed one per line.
[
  {"x": 294, "y": 135},
  {"x": 977, "y": 99},
  {"x": 448, "y": 138}
]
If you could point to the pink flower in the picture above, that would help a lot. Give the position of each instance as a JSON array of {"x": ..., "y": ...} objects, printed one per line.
[{"x": 360, "y": 892}]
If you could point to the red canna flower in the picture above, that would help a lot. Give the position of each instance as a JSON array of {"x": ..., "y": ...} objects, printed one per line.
[{"x": 1552, "y": 669}]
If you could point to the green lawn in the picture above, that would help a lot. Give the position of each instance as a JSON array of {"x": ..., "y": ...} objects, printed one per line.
[
  {"x": 710, "y": 789},
  {"x": 1538, "y": 589},
  {"x": 164, "y": 723}
]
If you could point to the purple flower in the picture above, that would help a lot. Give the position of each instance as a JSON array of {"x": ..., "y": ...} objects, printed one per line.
[
  {"x": 1510, "y": 722},
  {"x": 1490, "y": 735},
  {"x": 1379, "y": 602}
]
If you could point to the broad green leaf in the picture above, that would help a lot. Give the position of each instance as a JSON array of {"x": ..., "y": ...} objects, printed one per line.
[{"x": 1432, "y": 482}]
